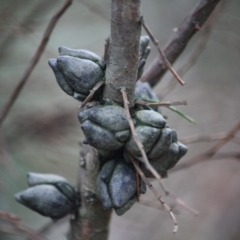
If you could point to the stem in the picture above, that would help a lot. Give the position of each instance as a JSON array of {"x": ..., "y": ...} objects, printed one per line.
[
  {"x": 123, "y": 53},
  {"x": 7, "y": 107},
  {"x": 179, "y": 40}
]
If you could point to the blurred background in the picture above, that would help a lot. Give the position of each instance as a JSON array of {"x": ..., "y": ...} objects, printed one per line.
[{"x": 42, "y": 133}]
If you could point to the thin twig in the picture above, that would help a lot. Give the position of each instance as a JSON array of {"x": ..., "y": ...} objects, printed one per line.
[
  {"x": 135, "y": 137},
  {"x": 15, "y": 222},
  {"x": 178, "y": 200},
  {"x": 148, "y": 165},
  {"x": 159, "y": 197},
  {"x": 179, "y": 40},
  {"x": 33, "y": 62},
  {"x": 204, "y": 37},
  {"x": 156, "y": 205},
  {"x": 138, "y": 183},
  {"x": 152, "y": 204},
  {"x": 160, "y": 104},
  {"x": 217, "y": 156},
  {"x": 163, "y": 56},
  {"x": 211, "y": 152},
  {"x": 90, "y": 96},
  {"x": 204, "y": 138}
]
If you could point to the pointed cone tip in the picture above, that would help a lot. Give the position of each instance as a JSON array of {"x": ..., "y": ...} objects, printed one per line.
[
  {"x": 18, "y": 198},
  {"x": 52, "y": 62}
]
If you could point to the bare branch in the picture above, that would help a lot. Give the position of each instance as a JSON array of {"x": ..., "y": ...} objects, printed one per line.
[
  {"x": 91, "y": 94},
  {"x": 160, "y": 104},
  {"x": 179, "y": 40},
  {"x": 209, "y": 153},
  {"x": 161, "y": 53},
  {"x": 33, "y": 62},
  {"x": 18, "y": 226},
  {"x": 204, "y": 138},
  {"x": 150, "y": 186},
  {"x": 152, "y": 204},
  {"x": 178, "y": 200},
  {"x": 123, "y": 57},
  {"x": 204, "y": 37},
  {"x": 94, "y": 219},
  {"x": 135, "y": 137}
]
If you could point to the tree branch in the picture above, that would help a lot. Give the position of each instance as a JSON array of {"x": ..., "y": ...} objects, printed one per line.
[
  {"x": 123, "y": 51},
  {"x": 192, "y": 59},
  {"x": 94, "y": 219},
  {"x": 179, "y": 40},
  {"x": 211, "y": 152},
  {"x": 17, "y": 226},
  {"x": 33, "y": 62}
]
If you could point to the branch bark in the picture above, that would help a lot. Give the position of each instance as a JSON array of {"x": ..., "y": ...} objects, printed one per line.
[
  {"x": 123, "y": 54},
  {"x": 122, "y": 66},
  {"x": 179, "y": 40},
  {"x": 7, "y": 107}
]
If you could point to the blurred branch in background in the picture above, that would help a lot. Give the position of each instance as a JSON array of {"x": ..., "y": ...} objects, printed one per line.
[
  {"x": 33, "y": 62},
  {"x": 179, "y": 40},
  {"x": 212, "y": 151},
  {"x": 192, "y": 59},
  {"x": 16, "y": 227}
]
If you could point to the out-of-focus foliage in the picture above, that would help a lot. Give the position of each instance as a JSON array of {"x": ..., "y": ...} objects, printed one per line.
[{"x": 41, "y": 133}]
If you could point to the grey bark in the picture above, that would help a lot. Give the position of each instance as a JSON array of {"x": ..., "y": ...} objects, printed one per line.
[
  {"x": 122, "y": 66},
  {"x": 123, "y": 54}
]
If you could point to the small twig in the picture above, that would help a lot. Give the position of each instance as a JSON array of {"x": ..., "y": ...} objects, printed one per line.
[
  {"x": 206, "y": 32},
  {"x": 178, "y": 200},
  {"x": 160, "y": 104},
  {"x": 138, "y": 143},
  {"x": 218, "y": 156},
  {"x": 204, "y": 138},
  {"x": 140, "y": 146},
  {"x": 163, "y": 56},
  {"x": 179, "y": 40},
  {"x": 90, "y": 96},
  {"x": 152, "y": 204},
  {"x": 33, "y": 62},
  {"x": 15, "y": 222},
  {"x": 159, "y": 197},
  {"x": 138, "y": 183},
  {"x": 211, "y": 152}
]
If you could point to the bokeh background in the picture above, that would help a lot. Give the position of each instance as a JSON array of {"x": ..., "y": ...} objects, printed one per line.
[{"x": 42, "y": 133}]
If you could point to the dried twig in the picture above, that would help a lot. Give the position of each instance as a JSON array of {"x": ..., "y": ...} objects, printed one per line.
[
  {"x": 163, "y": 56},
  {"x": 18, "y": 226},
  {"x": 178, "y": 200},
  {"x": 211, "y": 152},
  {"x": 33, "y": 62},
  {"x": 138, "y": 183},
  {"x": 204, "y": 138},
  {"x": 165, "y": 206},
  {"x": 152, "y": 204},
  {"x": 148, "y": 165},
  {"x": 90, "y": 96},
  {"x": 217, "y": 156},
  {"x": 138, "y": 143},
  {"x": 195, "y": 54},
  {"x": 160, "y": 104},
  {"x": 179, "y": 40}
]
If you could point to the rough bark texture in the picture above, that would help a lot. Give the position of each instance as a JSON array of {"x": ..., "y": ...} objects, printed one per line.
[
  {"x": 123, "y": 54},
  {"x": 94, "y": 219},
  {"x": 179, "y": 40}
]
